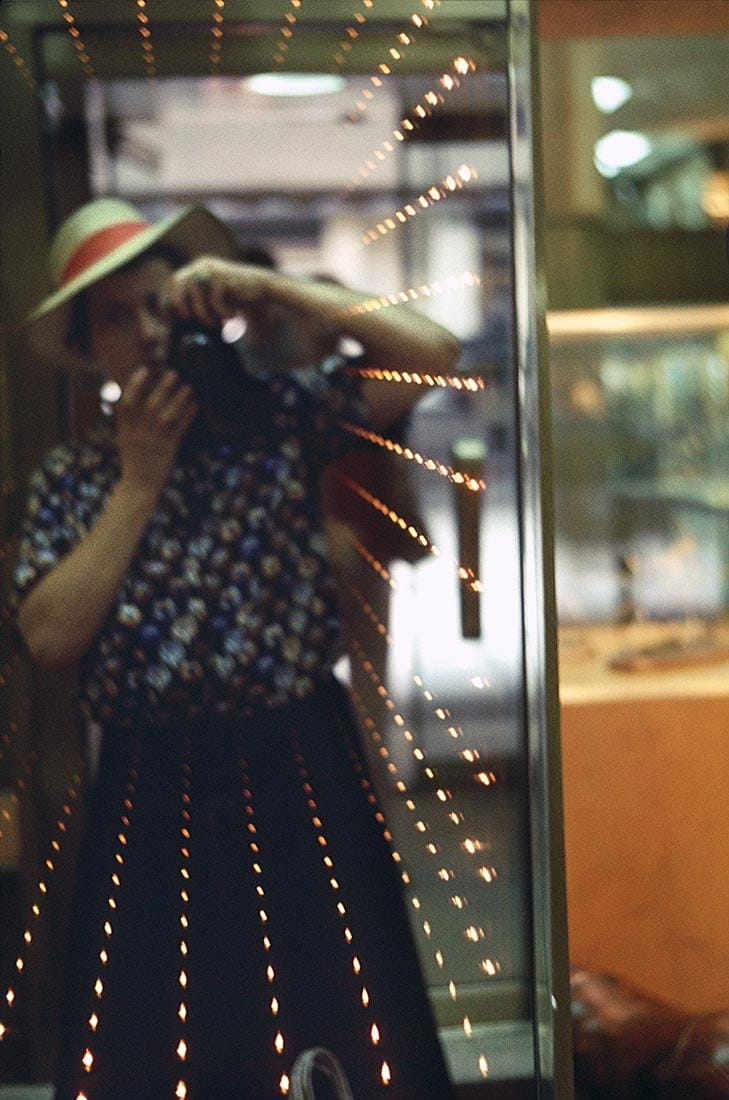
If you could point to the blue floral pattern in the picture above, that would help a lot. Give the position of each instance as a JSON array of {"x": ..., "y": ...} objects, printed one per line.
[{"x": 229, "y": 603}]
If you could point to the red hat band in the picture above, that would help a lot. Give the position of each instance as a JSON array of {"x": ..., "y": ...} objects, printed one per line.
[{"x": 98, "y": 245}]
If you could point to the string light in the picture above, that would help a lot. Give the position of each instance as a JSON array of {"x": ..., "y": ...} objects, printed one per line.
[
  {"x": 216, "y": 32},
  {"x": 381, "y": 821},
  {"x": 388, "y": 512},
  {"x": 433, "y": 98},
  {"x": 55, "y": 848},
  {"x": 442, "y": 713},
  {"x": 334, "y": 885},
  {"x": 371, "y": 614},
  {"x": 432, "y": 849},
  {"x": 404, "y": 39},
  {"x": 185, "y": 826},
  {"x": 75, "y": 34},
  {"x": 412, "y": 378},
  {"x": 426, "y": 290},
  {"x": 146, "y": 36},
  {"x": 352, "y": 33},
  {"x": 20, "y": 785},
  {"x": 286, "y": 31},
  {"x": 458, "y": 478},
  {"x": 452, "y": 183},
  {"x": 465, "y": 573},
  {"x": 469, "y": 845},
  {"x": 400, "y": 722},
  {"x": 372, "y": 561},
  {"x": 19, "y": 61},
  {"x": 125, "y": 817},
  {"x": 279, "y": 1042}
]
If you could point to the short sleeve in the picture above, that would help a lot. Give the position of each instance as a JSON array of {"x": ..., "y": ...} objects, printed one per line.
[
  {"x": 54, "y": 520},
  {"x": 328, "y": 398}
]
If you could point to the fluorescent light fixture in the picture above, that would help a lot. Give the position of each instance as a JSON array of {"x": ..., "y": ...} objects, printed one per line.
[
  {"x": 609, "y": 93},
  {"x": 620, "y": 149},
  {"x": 295, "y": 84}
]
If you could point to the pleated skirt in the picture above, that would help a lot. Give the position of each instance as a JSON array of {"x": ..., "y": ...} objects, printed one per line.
[{"x": 236, "y": 903}]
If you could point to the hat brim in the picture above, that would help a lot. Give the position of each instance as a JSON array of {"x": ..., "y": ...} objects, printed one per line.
[{"x": 192, "y": 231}]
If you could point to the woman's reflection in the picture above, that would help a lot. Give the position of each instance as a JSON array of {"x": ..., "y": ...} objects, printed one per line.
[{"x": 236, "y": 901}]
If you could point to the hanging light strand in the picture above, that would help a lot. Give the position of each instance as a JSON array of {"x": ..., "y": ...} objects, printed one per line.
[
  {"x": 286, "y": 32},
  {"x": 473, "y": 934},
  {"x": 465, "y": 573},
  {"x": 371, "y": 560},
  {"x": 480, "y": 682},
  {"x": 467, "y": 844},
  {"x": 416, "y": 818},
  {"x": 19, "y": 787},
  {"x": 412, "y": 378},
  {"x": 88, "y": 1059},
  {"x": 18, "y": 60},
  {"x": 433, "y": 98},
  {"x": 352, "y": 33},
  {"x": 181, "y": 1050},
  {"x": 394, "y": 447},
  {"x": 405, "y": 38},
  {"x": 216, "y": 33},
  {"x": 482, "y": 776},
  {"x": 454, "y": 182},
  {"x": 75, "y": 34},
  {"x": 279, "y": 1041},
  {"x": 415, "y": 293},
  {"x": 406, "y": 878},
  {"x": 358, "y": 968},
  {"x": 41, "y": 889},
  {"x": 145, "y": 34}
]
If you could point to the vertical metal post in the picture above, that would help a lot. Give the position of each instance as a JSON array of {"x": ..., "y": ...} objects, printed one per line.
[{"x": 550, "y": 954}]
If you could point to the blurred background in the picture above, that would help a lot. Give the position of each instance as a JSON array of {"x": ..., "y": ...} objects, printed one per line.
[
  {"x": 159, "y": 102},
  {"x": 635, "y": 143}
]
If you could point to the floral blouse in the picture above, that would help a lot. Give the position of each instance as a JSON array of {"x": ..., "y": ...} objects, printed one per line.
[{"x": 229, "y": 603}]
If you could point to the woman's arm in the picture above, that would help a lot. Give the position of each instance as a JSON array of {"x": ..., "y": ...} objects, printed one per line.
[
  {"x": 210, "y": 289},
  {"x": 62, "y": 615}
]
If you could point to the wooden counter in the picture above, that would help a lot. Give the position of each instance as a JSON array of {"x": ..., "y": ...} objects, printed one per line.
[{"x": 646, "y": 789}]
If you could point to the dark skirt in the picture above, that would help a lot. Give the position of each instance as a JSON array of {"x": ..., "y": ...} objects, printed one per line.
[{"x": 248, "y": 864}]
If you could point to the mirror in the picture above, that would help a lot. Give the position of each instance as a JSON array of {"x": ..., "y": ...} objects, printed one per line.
[{"x": 410, "y": 829}]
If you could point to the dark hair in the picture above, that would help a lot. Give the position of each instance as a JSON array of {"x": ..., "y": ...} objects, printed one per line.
[{"x": 77, "y": 337}]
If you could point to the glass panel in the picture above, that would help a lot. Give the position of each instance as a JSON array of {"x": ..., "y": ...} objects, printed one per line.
[
  {"x": 397, "y": 181},
  {"x": 641, "y": 422}
]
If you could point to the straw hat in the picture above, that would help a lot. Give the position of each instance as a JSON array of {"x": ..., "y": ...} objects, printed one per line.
[{"x": 98, "y": 239}]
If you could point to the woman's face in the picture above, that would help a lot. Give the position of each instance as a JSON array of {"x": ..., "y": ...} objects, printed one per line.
[{"x": 125, "y": 329}]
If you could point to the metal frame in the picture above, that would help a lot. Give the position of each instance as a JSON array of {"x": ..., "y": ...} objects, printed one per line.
[{"x": 551, "y": 1004}]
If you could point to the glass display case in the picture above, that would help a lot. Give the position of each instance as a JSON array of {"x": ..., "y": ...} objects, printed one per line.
[
  {"x": 641, "y": 437},
  {"x": 422, "y": 195},
  {"x": 641, "y": 430}
]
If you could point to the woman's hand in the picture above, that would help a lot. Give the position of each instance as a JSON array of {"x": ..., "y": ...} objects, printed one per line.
[
  {"x": 211, "y": 290},
  {"x": 152, "y": 416}
]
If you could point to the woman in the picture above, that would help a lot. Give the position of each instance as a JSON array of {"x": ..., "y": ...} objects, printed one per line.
[{"x": 236, "y": 901}]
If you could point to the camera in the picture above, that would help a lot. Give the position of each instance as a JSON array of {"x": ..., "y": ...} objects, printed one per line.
[{"x": 216, "y": 370}]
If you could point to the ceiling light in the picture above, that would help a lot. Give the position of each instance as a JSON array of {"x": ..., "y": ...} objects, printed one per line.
[
  {"x": 609, "y": 93},
  {"x": 620, "y": 149},
  {"x": 295, "y": 84}
]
